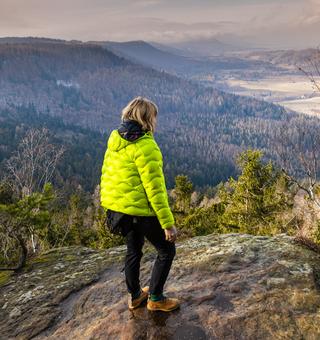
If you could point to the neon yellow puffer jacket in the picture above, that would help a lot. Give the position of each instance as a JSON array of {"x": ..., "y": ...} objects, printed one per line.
[{"x": 132, "y": 179}]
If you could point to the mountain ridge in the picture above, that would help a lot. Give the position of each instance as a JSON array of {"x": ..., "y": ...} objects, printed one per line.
[{"x": 200, "y": 129}]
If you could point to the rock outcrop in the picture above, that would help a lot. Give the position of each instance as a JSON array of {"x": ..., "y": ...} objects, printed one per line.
[{"x": 232, "y": 286}]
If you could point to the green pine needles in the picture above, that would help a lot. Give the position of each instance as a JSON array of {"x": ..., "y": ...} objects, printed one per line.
[
  {"x": 23, "y": 218},
  {"x": 254, "y": 202}
]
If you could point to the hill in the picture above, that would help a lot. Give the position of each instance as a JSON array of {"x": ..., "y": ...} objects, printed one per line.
[
  {"x": 147, "y": 54},
  {"x": 286, "y": 58},
  {"x": 200, "y": 129},
  {"x": 206, "y": 46},
  {"x": 164, "y": 58},
  {"x": 170, "y": 49},
  {"x": 30, "y": 40}
]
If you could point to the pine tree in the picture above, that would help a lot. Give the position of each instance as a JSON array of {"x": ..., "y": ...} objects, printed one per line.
[
  {"x": 253, "y": 201},
  {"x": 20, "y": 218},
  {"x": 183, "y": 190}
]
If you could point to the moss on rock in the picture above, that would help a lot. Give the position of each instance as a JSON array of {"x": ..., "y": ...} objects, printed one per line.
[{"x": 232, "y": 286}]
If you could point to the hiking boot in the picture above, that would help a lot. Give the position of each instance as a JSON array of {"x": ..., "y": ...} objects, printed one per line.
[
  {"x": 135, "y": 303},
  {"x": 165, "y": 304}
]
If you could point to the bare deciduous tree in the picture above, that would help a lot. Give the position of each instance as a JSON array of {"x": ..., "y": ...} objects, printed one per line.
[
  {"x": 34, "y": 163},
  {"x": 304, "y": 142},
  {"x": 311, "y": 69}
]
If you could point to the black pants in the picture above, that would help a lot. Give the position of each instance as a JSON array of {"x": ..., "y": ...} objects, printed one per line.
[{"x": 149, "y": 227}]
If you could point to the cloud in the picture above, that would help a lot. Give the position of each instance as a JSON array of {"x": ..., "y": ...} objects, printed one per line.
[
  {"x": 162, "y": 20},
  {"x": 147, "y": 3},
  {"x": 314, "y": 3}
]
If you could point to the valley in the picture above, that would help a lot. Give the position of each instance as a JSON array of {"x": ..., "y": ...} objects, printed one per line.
[
  {"x": 294, "y": 92},
  {"x": 273, "y": 76},
  {"x": 210, "y": 108}
]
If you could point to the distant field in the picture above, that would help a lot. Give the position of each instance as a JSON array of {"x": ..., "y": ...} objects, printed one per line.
[
  {"x": 308, "y": 106},
  {"x": 294, "y": 92}
]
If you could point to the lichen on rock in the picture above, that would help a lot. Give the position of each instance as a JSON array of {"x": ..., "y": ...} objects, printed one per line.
[{"x": 232, "y": 286}]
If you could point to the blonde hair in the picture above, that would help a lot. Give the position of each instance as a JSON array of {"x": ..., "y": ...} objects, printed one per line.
[{"x": 143, "y": 111}]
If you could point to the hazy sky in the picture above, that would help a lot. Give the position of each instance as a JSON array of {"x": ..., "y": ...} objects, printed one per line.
[{"x": 271, "y": 23}]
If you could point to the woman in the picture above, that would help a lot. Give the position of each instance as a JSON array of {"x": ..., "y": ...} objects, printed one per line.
[{"x": 133, "y": 183}]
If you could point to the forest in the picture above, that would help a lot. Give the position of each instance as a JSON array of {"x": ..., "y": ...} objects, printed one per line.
[
  {"x": 78, "y": 90},
  {"x": 231, "y": 163},
  {"x": 38, "y": 212}
]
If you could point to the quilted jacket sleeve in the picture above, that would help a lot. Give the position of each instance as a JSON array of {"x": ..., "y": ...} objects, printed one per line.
[{"x": 148, "y": 160}]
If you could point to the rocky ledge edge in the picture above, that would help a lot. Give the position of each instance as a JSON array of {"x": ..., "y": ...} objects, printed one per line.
[{"x": 232, "y": 286}]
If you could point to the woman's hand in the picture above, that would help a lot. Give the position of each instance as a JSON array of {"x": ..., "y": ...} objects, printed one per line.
[{"x": 171, "y": 234}]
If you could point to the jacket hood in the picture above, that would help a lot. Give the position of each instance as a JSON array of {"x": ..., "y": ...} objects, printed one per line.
[{"x": 128, "y": 132}]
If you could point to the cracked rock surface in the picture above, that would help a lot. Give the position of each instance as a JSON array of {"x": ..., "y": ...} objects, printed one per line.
[{"x": 232, "y": 286}]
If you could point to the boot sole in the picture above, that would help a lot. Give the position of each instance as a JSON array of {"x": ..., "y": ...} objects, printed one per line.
[{"x": 162, "y": 309}]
